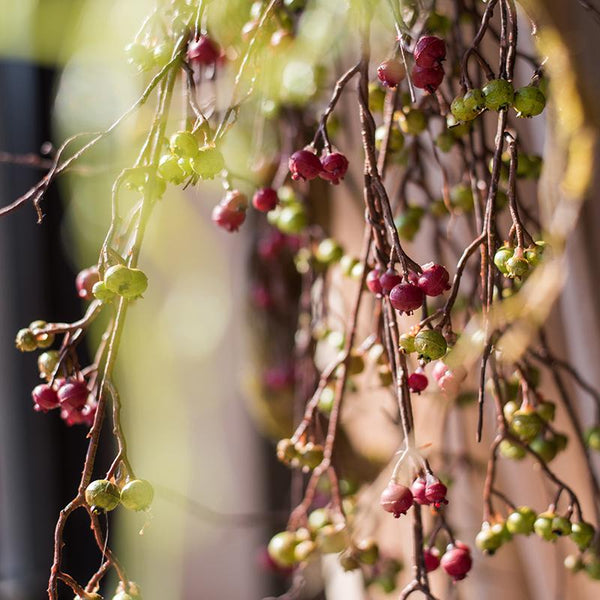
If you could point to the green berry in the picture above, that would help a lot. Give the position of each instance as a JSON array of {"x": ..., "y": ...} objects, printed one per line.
[
  {"x": 102, "y": 495},
  {"x": 474, "y": 100},
  {"x": 592, "y": 438},
  {"x": 517, "y": 265},
  {"x": 408, "y": 222},
  {"x": 25, "y": 340},
  {"x": 546, "y": 410},
  {"x": 318, "y": 519},
  {"x": 407, "y": 343},
  {"x": 521, "y": 521},
  {"x": 126, "y": 282},
  {"x": 137, "y": 495},
  {"x": 170, "y": 170},
  {"x": 328, "y": 251},
  {"x": 560, "y": 441},
  {"x": 573, "y": 563},
  {"x": 43, "y": 340},
  {"x": 430, "y": 344},
  {"x": 502, "y": 256},
  {"x": 592, "y": 568},
  {"x": 311, "y": 455},
  {"x": 332, "y": 539},
  {"x": 546, "y": 448},
  {"x": 498, "y": 94},
  {"x": 543, "y": 526},
  {"x": 413, "y": 121},
  {"x": 101, "y": 292},
  {"x": 376, "y": 98},
  {"x": 487, "y": 540},
  {"x": 347, "y": 264},
  {"x": 47, "y": 362},
  {"x": 184, "y": 144},
  {"x": 460, "y": 111},
  {"x": 292, "y": 219},
  {"x": 140, "y": 56},
  {"x": 281, "y": 548},
  {"x": 561, "y": 526},
  {"x": 326, "y": 400},
  {"x": 208, "y": 163},
  {"x": 510, "y": 450},
  {"x": 509, "y": 409},
  {"x": 534, "y": 253},
  {"x": 529, "y": 101},
  {"x": 445, "y": 141},
  {"x": 367, "y": 551},
  {"x": 395, "y": 142},
  {"x": 582, "y": 534},
  {"x": 304, "y": 550},
  {"x": 162, "y": 53},
  {"x": 526, "y": 424},
  {"x": 461, "y": 197}
]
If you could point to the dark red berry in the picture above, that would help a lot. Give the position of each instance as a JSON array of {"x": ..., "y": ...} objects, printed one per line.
[
  {"x": 391, "y": 72},
  {"x": 427, "y": 78},
  {"x": 73, "y": 394},
  {"x": 418, "y": 491},
  {"x": 44, "y": 398},
  {"x": 430, "y": 51},
  {"x": 203, "y": 51},
  {"x": 261, "y": 297},
  {"x": 304, "y": 165},
  {"x": 389, "y": 280},
  {"x": 417, "y": 381},
  {"x": 396, "y": 499},
  {"x": 265, "y": 199},
  {"x": 270, "y": 247},
  {"x": 435, "y": 491},
  {"x": 373, "y": 281},
  {"x": 279, "y": 378},
  {"x": 406, "y": 297},
  {"x": 434, "y": 279},
  {"x": 334, "y": 166},
  {"x": 457, "y": 561},
  {"x": 85, "y": 281},
  {"x": 431, "y": 557},
  {"x": 228, "y": 219}
]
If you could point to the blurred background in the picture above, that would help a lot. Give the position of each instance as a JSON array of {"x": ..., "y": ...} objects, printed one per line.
[{"x": 185, "y": 369}]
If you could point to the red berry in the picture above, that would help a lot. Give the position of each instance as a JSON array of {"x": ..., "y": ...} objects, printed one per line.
[
  {"x": 396, "y": 499},
  {"x": 304, "y": 165},
  {"x": 418, "y": 491},
  {"x": 391, "y": 72},
  {"x": 427, "y": 78},
  {"x": 373, "y": 281},
  {"x": 417, "y": 381},
  {"x": 78, "y": 416},
  {"x": 389, "y": 280},
  {"x": 334, "y": 166},
  {"x": 265, "y": 199},
  {"x": 434, "y": 279},
  {"x": 406, "y": 297},
  {"x": 228, "y": 219},
  {"x": 430, "y": 51},
  {"x": 203, "y": 51},
  {"x": 235, "y": 200},
  {"x": 271, "y": 246},
  {"x": 44, "y": 398},
  {"x": 261, "y": 297},
  {"x": 73, "y": 394},
  {"x": 457, "y": 561},
  {"x": 279, "y": 378},
  {"x": 431, "y": 557},
  {"x": 435, "y": 491},
  {"x": 85, "y": 282}
]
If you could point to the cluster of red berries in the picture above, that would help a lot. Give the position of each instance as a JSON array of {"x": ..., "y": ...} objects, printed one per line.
[
  {"x": 429, "y": 53},
  {"x": 306, "y": 165},
  {"x": 397, "y": 498},
  {"x": 77, "y": 405}
]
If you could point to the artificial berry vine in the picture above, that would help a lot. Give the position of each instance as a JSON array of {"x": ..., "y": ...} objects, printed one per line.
[{"x": 423, "y": 109}]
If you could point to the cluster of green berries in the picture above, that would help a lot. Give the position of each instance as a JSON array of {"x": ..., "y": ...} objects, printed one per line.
[
  {"x": 33, "y": 337},
  {"x": 429, "y": 344},
  {"x": 131, "y": 593},
  {"x": 518, "y": 262},
  {"x": 496, "y": 95},
  {"x": 103, "y": 495},
  {"x": 290, "y": 215},
  {"x": 120, "y": 280},
  {"x": 304, "y": 455}
]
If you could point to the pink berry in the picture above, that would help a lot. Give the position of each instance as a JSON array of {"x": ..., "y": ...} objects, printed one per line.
[
  {"x": 430, "y": 51},
  {"x": 457, "y": 561},
  {"x": 304, "y": 165},
  {"x": 203, "y": 51},
  {"x": 417, "y": 381},
  {"x": 73, "y": 394},
  {"x": 44, "y": 398},
  {"x": 406, "y": 297},
  {"x": 228, "y": 219},
  {"x": 435, "y": 491},
  {"x": 434, "y": 279},
  {"x": 265, "y": 199},
  {"x": 431, "y": 557},
  {"x": 389, "y": 280},
  {"x": 85, "y": 282},
  {"x": 373, "y": 281},
  {"x": 334, "y": 166},
  {"x": 418, "y": 491},
  {"x": 391, "y": 72},
  {"x": 427, "y": 78},
  {"x": 396, "y": 499}
]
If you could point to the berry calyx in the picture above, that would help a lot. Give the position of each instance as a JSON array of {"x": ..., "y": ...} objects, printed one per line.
[
  {"x": 391, "y": 72},
  {"x": 334, "y": 167},
  {"x": 373, "y": 281},
  {"x": 265, "y": 199},
  {"x": 417, "y": 382},
  {"x": 137, "y": 495},
  {"x": 431, "y": 558},
  {"x": 304, "y": 165},
  {"x": 434, "y": 279},
  {"x": 406, "y": 297},
  {"x": 396, "y": 499},
  {"x": 44, "y": 398},
  {"x": 457, "y": 561},
  {"x": 427, "y": 78},
  {"x": 429, "y": 51},
  {"x": 529, "y": 101},
  {"x": 102, "y": 495},
  {"x": 85, "y": 281},
  {"x": 498, "y": 94},
  {"x": 73, "y": 394},
  {"x": 203, "y": 51},
  {"x": 389, "y": 280},
  {"x": 430, "y": 344}
]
